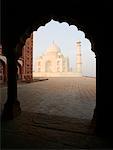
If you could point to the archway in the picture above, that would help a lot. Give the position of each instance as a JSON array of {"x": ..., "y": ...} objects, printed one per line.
[
  {"x": 3, "y": 70},
  {"x": 88, "y": 20},
  {"x": 48, "y": 66},
  {"x": 19, "y": 71},
  {"x": 19, "y": 45}
]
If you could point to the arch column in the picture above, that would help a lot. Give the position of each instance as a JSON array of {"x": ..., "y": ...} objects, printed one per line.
[{"x": 12, "y": 105}]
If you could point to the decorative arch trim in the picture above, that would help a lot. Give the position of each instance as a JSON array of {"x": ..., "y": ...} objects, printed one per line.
[{"x": 3, "y": 58}]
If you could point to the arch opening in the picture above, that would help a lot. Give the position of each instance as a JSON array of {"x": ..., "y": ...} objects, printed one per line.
[
  {"x": 58, "y": 97},
  {"x": 84, "y": 86}
]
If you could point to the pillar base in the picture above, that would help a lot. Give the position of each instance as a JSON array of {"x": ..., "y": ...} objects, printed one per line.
[
  {"x": 93, "y": 122},
  {"x": 11, "y": 111}
]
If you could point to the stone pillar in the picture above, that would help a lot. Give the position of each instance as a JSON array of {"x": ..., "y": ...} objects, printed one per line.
[
  {"x": 78, "y": 58},
  {"x": 12, "y": 105}
]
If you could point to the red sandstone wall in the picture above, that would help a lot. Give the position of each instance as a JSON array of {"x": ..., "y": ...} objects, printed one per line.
[{"x": 27, "y": 54}]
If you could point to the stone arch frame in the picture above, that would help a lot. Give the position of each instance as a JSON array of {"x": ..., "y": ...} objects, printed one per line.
[
  {"x": 92, "y": 20},
  {"x": 45, "y": 19},
  {"x": 2, "y": 58},
  {"x": 70, "y": 21},
  {"x": 36, "y": 24},
  {"x": 4, "y": 64}
]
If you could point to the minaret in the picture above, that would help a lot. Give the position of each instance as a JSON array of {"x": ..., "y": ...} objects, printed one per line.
[{"x": 78, "y": 59}]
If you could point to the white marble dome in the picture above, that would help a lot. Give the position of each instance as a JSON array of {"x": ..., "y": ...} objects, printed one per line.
[{"x": 53, "y": 48}]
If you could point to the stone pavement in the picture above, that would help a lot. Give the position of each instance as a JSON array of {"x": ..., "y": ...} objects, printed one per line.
[
  {"x": 39, "y": 131},
  {"x": 56, "y": 114},
  {"x": 71, "y": 97}
]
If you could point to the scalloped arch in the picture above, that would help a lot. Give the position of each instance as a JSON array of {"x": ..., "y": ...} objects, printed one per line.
[{"x": 44, "y": 20}]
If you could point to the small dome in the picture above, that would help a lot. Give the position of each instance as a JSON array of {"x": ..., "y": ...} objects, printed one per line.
[{"x": 53, "y": 48}]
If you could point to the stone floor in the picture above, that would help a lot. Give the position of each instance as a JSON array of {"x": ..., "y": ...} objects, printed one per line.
[
  {"x": 40, "y": 131},
  {"x": 71, "y": 97},
  {"x": 56, "y": 113}
]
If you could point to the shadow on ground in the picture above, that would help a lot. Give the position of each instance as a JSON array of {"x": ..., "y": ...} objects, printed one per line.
[{"x": 31, "y": 130}]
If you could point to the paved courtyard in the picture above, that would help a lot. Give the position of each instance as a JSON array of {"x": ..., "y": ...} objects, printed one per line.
[
  {"x": 56, "y": 114},
  {"x": 71, "y": 97}
]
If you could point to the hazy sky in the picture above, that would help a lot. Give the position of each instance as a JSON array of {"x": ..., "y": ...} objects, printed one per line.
[{"x": 65, "y": 36}]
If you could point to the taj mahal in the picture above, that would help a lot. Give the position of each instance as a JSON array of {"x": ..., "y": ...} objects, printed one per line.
[{"x": 54, "y": 64}]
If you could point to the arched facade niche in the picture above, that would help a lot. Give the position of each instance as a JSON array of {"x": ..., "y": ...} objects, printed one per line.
[{"x": 48, "y": 66}]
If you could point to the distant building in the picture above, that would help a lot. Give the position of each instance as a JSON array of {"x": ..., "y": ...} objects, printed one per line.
[{"x": 53, "y": 63}]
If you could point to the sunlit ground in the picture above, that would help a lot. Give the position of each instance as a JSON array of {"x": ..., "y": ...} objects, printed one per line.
[{"x": 71, "y": 97}]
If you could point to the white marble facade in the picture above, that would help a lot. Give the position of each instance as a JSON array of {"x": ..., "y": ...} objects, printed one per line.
[{"x": 54, "y": 64}]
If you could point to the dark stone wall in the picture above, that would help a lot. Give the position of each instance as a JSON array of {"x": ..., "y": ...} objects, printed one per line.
[{"x": 20, "y": 18}]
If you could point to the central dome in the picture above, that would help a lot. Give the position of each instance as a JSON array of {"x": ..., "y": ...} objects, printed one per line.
[{"x": 53, "y": 48}]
